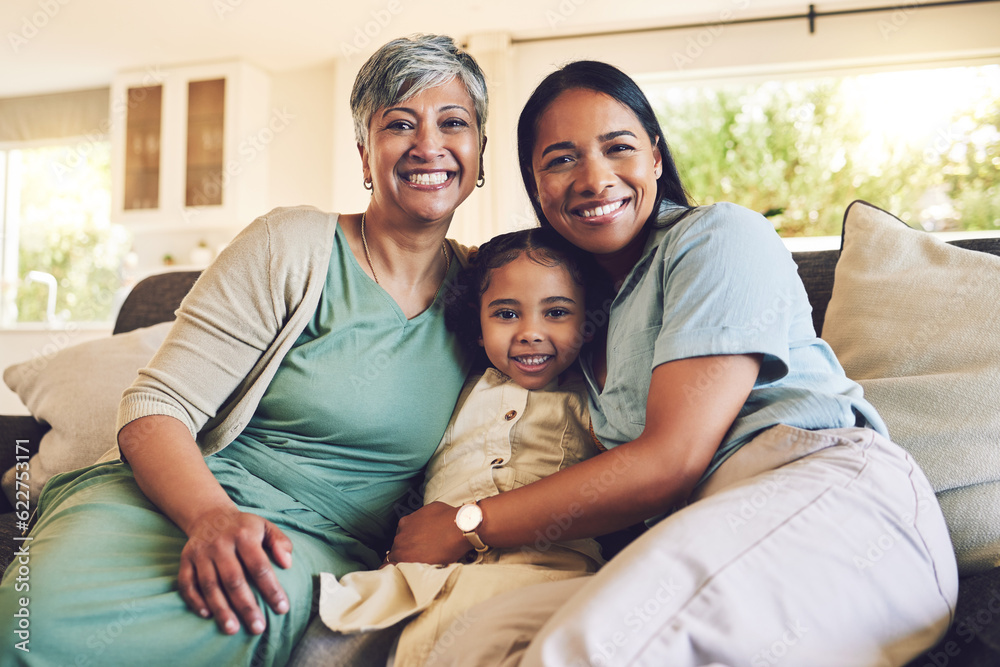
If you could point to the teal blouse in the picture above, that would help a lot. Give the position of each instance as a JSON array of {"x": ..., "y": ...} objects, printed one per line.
[{"x": 358, "y": 405}]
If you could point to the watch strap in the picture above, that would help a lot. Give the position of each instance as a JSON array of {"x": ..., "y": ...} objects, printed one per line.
[{"x": 476, "y": 542}]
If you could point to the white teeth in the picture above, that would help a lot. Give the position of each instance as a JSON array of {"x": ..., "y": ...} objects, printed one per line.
[
  {"x": 534, "y": 360},
  {"x": 603, "y": 210},
  {"x": 434, "y": 178}
]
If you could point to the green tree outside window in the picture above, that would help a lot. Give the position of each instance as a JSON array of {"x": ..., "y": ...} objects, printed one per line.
[{"x": 799, "y": 151}]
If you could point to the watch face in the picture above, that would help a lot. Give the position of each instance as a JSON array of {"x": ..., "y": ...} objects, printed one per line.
[{"x": 468, "y": 518}]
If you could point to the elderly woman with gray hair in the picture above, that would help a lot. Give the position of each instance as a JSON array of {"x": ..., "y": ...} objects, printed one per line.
[{"x": 306, "y": 382}]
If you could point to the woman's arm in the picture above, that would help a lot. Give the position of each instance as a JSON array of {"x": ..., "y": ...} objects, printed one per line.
[
  {"x": 691, "y": 405},
  {"x": 224, "y": 544}
]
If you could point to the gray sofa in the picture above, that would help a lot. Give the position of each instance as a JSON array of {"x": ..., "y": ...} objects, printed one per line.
[{"x": 973, "y": 640}]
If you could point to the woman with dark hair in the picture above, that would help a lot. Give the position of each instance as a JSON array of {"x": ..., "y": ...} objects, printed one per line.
[
  {"x": 591, "y": 75},
  {"x": 764, "y": 476}
]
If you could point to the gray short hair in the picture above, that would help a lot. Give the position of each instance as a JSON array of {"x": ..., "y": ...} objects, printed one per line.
[{"x": 408, "y": 66}]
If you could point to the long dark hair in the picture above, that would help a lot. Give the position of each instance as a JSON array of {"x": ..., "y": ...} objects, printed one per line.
[{"x": 602, "y": 78}]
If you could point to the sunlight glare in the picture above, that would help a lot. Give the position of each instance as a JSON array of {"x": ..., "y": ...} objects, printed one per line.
[{"x": 917, "y": 106}]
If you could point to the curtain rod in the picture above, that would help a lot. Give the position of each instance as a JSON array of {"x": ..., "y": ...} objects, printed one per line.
[{"x": 810, "y": 15}]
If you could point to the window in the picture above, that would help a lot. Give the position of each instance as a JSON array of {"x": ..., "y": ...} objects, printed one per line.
[
  {"x": 62, "y": 260},
  {"x": 923, "y": 144}
]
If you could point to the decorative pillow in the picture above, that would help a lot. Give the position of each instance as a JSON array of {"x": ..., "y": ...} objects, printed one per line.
[
  {"x": 915, "y": 321},
  {"x": 76, "y": 391}
]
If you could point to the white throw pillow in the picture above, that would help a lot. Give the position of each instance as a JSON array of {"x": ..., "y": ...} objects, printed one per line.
[
  {"x": 915, "y": 321},
  {"x": 77, "y": 391}
]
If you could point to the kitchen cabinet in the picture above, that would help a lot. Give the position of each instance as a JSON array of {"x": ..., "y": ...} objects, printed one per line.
[{"x": 188, "y": 150}]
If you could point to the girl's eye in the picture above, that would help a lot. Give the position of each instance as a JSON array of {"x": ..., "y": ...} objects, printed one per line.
[
  {"x": 558, "y": 312},
  {"x": 505, "y": 314},
  {"x": 621, "y": 148}
]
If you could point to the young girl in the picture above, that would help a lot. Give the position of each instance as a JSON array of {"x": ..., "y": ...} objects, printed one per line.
[{"x": 524, "y": 417}]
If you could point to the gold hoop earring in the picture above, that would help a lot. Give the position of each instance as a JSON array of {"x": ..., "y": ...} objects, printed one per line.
[{"x": 368, "y": 184}]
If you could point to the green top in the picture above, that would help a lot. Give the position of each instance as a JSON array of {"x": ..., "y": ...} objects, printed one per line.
[{"x": 358, "y": 405}]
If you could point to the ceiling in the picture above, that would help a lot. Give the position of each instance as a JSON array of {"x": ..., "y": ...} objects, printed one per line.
[{"x": 54, "y": 45}]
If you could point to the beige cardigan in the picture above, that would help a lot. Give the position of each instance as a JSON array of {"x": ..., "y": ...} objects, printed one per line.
[{"x": 236, "y": 325}]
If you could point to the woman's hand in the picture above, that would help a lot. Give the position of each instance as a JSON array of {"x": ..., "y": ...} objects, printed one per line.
[
  {"x": 429, "y": 535},
  {"x": 227, "y": 552},
  {"x": 224, "y": 544},
  {"x": 691, "y": 405}
]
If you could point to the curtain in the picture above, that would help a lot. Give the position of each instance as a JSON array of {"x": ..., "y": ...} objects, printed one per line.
[{"x": 55, "y": 116}]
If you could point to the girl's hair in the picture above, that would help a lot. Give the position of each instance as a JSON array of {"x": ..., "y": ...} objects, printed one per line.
[
  {"x": 541, "y": 245},
  {"x": 611, "y": 81},
  {"x": 407, "y": 66}
]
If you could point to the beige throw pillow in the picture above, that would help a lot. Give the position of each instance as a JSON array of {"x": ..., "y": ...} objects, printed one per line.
[
  {"x": 77, "y": 391},
  {"x": 915, "y": 321}
]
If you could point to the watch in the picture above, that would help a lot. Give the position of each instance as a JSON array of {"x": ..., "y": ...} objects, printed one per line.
[{"x": 469, "y": 517}]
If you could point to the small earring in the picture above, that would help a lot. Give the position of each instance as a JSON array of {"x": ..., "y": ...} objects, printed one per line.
[
  {"x": 368, "y": 184},
  {"x": 482, "y": 180}
]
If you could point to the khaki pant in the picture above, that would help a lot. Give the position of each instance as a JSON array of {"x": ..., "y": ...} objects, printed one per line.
[{"x": 412, "y": 610}]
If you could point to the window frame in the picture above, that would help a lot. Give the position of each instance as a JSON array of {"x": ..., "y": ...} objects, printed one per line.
[
  {"x": 756, "y": 74},
  {"x": 10, "y": 234}
]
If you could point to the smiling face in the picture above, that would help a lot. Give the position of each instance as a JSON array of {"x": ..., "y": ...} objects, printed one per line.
[
  {"x": 423, "y": 154},
  {"x": 532, "y": 319},
  {"x": 595, "y": 172}
]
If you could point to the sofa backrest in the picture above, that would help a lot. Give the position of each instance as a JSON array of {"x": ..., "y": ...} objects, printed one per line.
[
  {"x": 154, "y": 299},
  {"x": 817, "y": 268}
]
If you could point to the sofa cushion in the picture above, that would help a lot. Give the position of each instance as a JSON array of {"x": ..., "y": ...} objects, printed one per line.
[
  {"x": 914, "y": 321},
  {"x": 77, "y": 391}
]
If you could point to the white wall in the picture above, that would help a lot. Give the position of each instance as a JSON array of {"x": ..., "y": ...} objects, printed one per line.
[{"x": 301, "y": 156}]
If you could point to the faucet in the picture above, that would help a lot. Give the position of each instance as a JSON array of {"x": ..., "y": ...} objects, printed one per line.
[{"x": 50, "y": 281}]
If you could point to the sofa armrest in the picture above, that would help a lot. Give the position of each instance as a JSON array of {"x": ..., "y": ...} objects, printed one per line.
[{"x": 19, "y": 435}]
